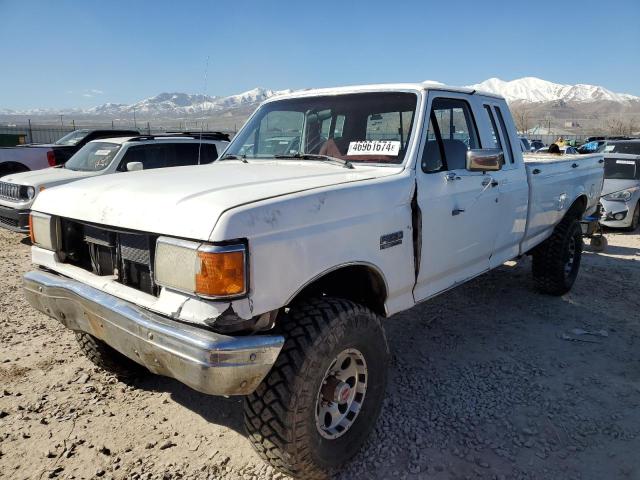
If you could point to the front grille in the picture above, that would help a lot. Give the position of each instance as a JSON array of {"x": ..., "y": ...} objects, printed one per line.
[
  {"x": 10, "y": 191},
  {"x": 128, "y": 256},
  {"x": 9, "y": 222}
]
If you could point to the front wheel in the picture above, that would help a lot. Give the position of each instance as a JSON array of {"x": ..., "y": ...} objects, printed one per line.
[
  {"x": 321, "y": 399},
  {"x": 556, "y": 261},
  {"x": 635, "y": 218}
]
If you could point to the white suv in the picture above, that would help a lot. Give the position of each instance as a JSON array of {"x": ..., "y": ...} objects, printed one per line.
[{"x": 102, "y": 157}]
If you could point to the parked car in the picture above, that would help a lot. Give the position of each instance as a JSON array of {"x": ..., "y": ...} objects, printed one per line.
[
  {"x": 268, "y": 274},
  {"x": 564, "y": 150},
  {"x": 594, "y": 146},
  {"x": 631, "y": 146},
  {"x": 537, "y": 145},
  {"x": 621, "y": 191},
  {"x": 23, "y": 158},
  {"x": 18, "y": 191}
]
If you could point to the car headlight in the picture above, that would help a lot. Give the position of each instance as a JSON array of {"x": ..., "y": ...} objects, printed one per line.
[
  {"x": 209, "y": 271},
  {"x": 621, "y": 196},
  {"x": 44, "y": 230},
  {"x": 31, "y": 193}
]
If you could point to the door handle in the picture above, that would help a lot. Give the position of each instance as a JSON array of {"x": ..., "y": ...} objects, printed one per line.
[
  {"x": 457, "y": 211},
  {"x": 575, "y": 165}
]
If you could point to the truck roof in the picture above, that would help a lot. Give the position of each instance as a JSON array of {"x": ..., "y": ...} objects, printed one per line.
[{"x": 382, "y": 87}]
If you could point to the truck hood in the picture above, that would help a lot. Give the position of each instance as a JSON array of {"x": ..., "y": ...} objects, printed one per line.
[
  {"x": 47, "y": 177},
  {"x": 187, "y": 201},
  {"x": 615, "y": 185}
]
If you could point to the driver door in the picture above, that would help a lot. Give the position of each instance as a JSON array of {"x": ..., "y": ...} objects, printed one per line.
[{"x": 457, "y": 206}]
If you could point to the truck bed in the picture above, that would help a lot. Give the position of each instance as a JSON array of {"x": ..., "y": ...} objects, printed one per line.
[{"x": 555, "y": 181}]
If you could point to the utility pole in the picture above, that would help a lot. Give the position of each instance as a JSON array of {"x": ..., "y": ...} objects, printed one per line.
[
  {"x": 135, "y": 125},
  {"x": 61, "y": 124}
]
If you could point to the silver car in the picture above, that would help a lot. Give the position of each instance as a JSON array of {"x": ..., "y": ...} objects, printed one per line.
[{"x": 621, "y": 191}]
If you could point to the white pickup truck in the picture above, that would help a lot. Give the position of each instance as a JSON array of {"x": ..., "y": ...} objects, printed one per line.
[{"x": 268, "y": 272}]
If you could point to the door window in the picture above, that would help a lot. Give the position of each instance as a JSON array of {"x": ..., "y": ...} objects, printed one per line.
[{"x": 451, "y": 132}]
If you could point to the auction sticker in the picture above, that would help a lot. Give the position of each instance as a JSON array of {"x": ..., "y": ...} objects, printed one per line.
[
  {"x": 102, "y": 152},
  {"x": 374, "y": 147},
  {"x": 626, "y": 162}
]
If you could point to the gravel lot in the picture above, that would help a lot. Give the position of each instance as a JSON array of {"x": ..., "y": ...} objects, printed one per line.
[{"x": 489, "y": 381}]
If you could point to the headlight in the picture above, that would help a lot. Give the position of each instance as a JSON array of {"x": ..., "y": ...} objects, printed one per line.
[
  {"x": 210, "y": 271},
  {"x": 44, "y": 230},
  {"x": 621, "y": 196},
  {"x": 31, "y": 192}
]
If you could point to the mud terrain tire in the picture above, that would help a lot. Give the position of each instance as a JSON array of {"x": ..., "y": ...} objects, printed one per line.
[
  {"x": 105, "y": 357},
  {"x": 556, "y": 261},
  {"x": 283, "y": 417}
]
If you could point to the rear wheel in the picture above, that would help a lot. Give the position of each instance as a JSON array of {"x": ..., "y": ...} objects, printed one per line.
[
  {"x": 556, "y": 261},
  {"x": 12, "y": 168},
  {"x": 321, "y": 399},
  {"x": 105, "y": 357}
]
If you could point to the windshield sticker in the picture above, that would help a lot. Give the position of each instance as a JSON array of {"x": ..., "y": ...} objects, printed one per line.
[
  {"x": 626, "y": 162},
  {"x": 609, "y": 148},
  {"x": 101, "y": 162},
  {"x": 374, "y": 147},
  {"x": 102, "y": 152}
]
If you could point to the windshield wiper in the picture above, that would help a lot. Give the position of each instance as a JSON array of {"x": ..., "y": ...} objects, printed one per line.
[
  {"x": 231, "y": 156},
  {"x": 313, "y": 156}
]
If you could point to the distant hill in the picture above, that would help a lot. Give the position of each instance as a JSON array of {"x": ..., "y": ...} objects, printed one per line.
[{"x": 532, "y": 99}]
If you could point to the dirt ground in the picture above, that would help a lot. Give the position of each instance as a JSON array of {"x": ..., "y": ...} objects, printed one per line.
[{"x": 489, "y": 381}]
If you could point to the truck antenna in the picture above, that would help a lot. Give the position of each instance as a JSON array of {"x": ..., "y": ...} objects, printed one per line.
[{"x": 206, "y": 69}]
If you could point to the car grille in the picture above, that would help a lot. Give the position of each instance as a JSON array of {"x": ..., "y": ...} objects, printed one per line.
[
  {"x": 10, "y": 222},
  {"x": 10, "y": 191},
  {"x": 128, "y": 256}
]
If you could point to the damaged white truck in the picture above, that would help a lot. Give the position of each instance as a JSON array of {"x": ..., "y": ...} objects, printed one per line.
[{"x": 268, "y": 272}]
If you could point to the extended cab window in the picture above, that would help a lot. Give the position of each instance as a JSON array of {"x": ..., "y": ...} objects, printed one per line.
[
  {"x": 451, "y": 132},
  {"x": 505, "y": 134}
]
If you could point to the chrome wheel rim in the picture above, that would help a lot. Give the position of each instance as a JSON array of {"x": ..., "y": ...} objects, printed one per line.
[
  {"x": 568, "y": 266},
  {"x": 341, "y": 394}
]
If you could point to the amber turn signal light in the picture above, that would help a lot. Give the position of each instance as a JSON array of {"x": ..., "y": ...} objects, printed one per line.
[{"x": 221, "y": 273}]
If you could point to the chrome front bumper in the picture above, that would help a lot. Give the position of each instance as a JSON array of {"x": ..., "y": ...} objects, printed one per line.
[{"x": 206, "y": 361}]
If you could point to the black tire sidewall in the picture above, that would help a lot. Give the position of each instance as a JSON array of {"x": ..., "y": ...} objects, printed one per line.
[
  {"x": 371, "y": 342},
  {"x": 573, "y": 231}
]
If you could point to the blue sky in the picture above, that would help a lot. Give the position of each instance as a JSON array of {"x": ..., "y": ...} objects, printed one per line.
[{"x": 82, "y": 53}]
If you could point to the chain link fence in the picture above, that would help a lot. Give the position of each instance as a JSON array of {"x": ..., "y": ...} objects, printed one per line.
[{"x": 48, "y": 133}]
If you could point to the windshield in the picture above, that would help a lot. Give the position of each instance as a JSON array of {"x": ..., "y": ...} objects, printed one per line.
[
  {"x": 94, "y": 156},
  {"x": 632, "y": 148},
  {"x": 619, "y": 169},
  {"x": 73, "y": 138},
  {"x": 362, "y": 127}
]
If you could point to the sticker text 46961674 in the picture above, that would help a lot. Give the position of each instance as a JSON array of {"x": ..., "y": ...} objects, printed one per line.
[{"x": 374, "y": 147}]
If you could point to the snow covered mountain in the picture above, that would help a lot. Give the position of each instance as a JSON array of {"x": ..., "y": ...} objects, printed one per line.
[
  {"x": 186, "y": 104},
  {"x": 534, "y": 90},
  {"x": 175, "y": 104}
]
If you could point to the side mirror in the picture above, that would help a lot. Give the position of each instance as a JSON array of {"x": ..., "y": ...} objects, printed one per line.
[
  {"x": 134, "y": 166},
  {"x": 485, "y": 160}
]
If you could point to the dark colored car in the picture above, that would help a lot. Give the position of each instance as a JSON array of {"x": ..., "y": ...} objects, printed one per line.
[
  {"x": 631, "y": 147},
  {"x": 23, "y": 158}
]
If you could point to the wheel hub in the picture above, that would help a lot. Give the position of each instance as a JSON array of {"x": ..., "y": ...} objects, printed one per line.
[
  {"x": 335, "y": 390},
  {"x": 341, "y": 394}
]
